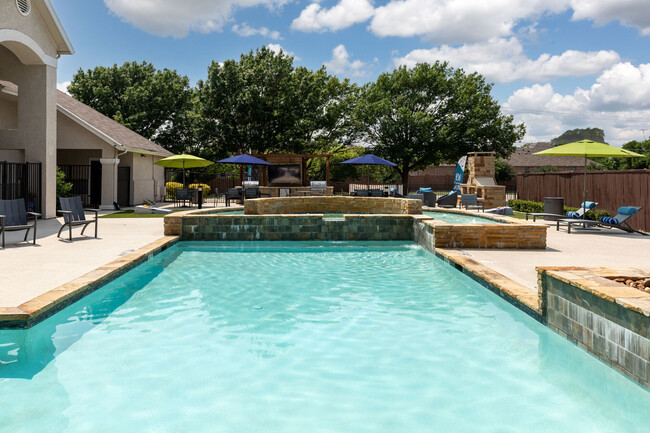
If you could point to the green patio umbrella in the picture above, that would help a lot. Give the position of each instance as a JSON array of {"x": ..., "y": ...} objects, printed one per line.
[
  {"x": 183, "y": 161},
  {"x": 588, "y": 149}
]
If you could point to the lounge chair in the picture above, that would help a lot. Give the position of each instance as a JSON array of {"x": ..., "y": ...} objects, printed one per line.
[
  {"x": 250, "y": 193},
  {"x": 361, "y": 193},
  {"x": 429, "y": 198},
  {"x": 471, "y": 201},
  {"x": 74, "y": 215},
  {"x": 233, "y": 194},
  {"x": 14, "y": 217},
  {"x": 448, "y": 200},
  {"x": 618, "y": 222},
  {"x": 585, "y": 206},
  {"x": 394, "y": 193},
  {"x": 376, "y": 193}
]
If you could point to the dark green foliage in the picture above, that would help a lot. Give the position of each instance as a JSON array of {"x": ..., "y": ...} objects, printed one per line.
[
  {"x": 642, "y": 147},
  {"x": 431, "y": 114},
  {"x": 537, "y": 207},
  {"x": 262, "y": 104},
  {"x": 156, "y": 104},
  {"x": 63, "y": 188},
  {"x": 503, "y": 171},
  {"x": 593, "y": 134}
]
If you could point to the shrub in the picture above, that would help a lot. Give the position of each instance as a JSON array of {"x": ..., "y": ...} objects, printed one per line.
[
  {"x": 63, "y": 188},
  {"x": 526, "y": 205},
  {"x": 171, "y": 188}
]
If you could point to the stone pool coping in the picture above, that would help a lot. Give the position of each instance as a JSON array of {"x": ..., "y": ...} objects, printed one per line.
[{"x": 47, "y": 304}]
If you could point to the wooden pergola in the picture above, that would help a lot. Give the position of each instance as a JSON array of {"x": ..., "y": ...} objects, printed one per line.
[{"x": 290, "y": 158}]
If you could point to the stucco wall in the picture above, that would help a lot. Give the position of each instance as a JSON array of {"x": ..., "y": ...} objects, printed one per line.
[
  {"x": 8, "y": 114},
  {"x": 31, "y": 25}
]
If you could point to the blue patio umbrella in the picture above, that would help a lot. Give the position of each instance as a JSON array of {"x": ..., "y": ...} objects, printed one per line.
[
  {"x": 369, "y": 160},
  {"x": 245, "y": 159}
]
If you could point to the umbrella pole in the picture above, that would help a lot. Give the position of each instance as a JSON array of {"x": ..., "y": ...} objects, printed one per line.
[
  {"x": 584, "y": 190},
  {"x": 368, "y": 179},
  {"x": 183, "y": 174}
]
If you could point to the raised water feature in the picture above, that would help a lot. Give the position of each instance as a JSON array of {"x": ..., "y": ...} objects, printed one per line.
[{"x": 367, "y": 337}]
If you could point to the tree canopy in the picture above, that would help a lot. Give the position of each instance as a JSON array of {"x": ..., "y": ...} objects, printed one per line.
[
  {"x": 154, "y": 103},
  {"x": 593, "y": 134},
  {"x": 432, "y": 114},
  {"x": 262, "y": 103}
]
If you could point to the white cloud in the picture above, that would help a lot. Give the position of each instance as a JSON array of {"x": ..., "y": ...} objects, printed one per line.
[
  {"x": 503, "y": 60},
  {"x": 63, "y": 86},
  {"x": 277, "y": 48},
  {"x": 177, "y": 18},
  {"x": 633, "y": 13},
  {"x": 246, "y": 30},
  {"x": 342, "y": 65},
  {"x": 315, "y": 18},
  {"x": 459, "y": 21},
  {"x": 618, "y": 102}
]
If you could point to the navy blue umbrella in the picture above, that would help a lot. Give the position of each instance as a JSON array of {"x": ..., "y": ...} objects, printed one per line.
[
  {"x": 244, "y": 159},
  {"x": 369, "y": 160}
]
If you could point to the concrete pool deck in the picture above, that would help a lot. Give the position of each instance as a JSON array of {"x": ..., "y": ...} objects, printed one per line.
[{"x": 29, "y": 271}]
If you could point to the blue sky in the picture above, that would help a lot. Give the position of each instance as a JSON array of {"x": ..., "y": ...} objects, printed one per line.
[{"x": 556, "y": 64}]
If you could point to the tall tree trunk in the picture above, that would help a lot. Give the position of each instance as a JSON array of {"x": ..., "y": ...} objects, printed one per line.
[{"x": 405, "y": 179}]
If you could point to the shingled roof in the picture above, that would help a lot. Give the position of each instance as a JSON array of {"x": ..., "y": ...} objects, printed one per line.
[
  {"x": 106, "y": 128},
  {"x": 523, "y": 157}
]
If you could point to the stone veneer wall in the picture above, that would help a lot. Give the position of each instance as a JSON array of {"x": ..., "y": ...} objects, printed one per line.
[
  {"x": 443, "y": 235},
  {"x": 296, "y": 228},
  {"x": 336, "y": 204},
  {"x": 608, "y": 319}
]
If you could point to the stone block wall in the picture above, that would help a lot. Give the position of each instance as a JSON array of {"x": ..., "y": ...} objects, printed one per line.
[
  {"x": 481, "y": 164},
  {"x": 525, "y": 236},
  {"x": 336, "y": 204},
  {"x": 608, "y": 319},
  {"x": 296, "y": 228}
]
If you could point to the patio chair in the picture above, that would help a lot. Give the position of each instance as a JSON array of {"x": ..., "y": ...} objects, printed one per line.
[
  {"x": 394, "y": 193},
  {"x": 415, "y": 196},
  {"x": 448, "y": 200},
  {"x": 14, "y": 217},
  {"x": 252, "y": 193},
  {"x": 429, "y": 198},
  {"x": 217, "y": 196},
  {"x": 585, "y": 206},
  {"x": 182, "y": 195},
  {"x": 618, "y": 222},
  {"x": 471, "y": 201},
  {"x": 376, "y": 193},
  {"x": 233, "y": 194},
  {"x": 361, "y": 193},
  {"x": 74, "y": 215}
]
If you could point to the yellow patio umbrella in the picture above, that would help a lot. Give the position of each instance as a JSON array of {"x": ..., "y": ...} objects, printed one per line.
[
  {"x": 183, "y": 161},
  {"x": 588, "y": 149}
]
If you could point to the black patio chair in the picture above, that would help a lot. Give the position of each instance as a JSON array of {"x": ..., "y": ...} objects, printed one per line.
[
  {"x": 429, "y": 198},
  {"x": 14, "y": 217},
  {"x": 250, "y": 193},
  {"x": 233, "y": 194},
  {"x": 376, "y": 193},
  {"x": 471, "y": 201},
  {"x": 182, "y": 195},
  {"x": 74, "y": 215}
]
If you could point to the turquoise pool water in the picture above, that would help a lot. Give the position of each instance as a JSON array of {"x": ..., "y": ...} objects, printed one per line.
[
  {"x": 304, "y": 337},
  {"x": 458, "y": 218}
]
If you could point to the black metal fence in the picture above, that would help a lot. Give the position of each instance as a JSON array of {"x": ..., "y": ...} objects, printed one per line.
[
  {"x": 21, "y": 181},
  {"x": 79, "y": 177}
]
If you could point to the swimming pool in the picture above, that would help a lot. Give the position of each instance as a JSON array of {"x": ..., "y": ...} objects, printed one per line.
[
  {"x": 459, "y": 218},
  {"x": 304, "y": 337}
]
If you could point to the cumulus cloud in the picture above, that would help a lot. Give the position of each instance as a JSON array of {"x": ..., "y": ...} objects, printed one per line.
[
  {"x": 246, "y": 30},
  {"x": 277, "y": 48},
  {"x": 342, "y": 65},
  {"x": 63, "y": 86},
  {"x": 618, "y": 102},
  {"x": 176, "y": 18},
  {"x": 315, "y": 18},
  {"x": 503, "y": 60},
  {"x": 459, "y": 21},
  {"x": 633, "y": 13}
]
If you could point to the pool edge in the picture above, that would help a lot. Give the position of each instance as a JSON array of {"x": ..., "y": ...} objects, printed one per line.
[{"x": 45, "y": 305}]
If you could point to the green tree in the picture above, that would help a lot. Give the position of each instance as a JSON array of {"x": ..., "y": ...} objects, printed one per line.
[
  {"x": 503, "y": 171},
  {"x": 432, "y": 114},
  {"x": 547, "y": 169},
  {"x": 642, "y": 147},
  {"x": 63, "y": 188},
  {"x": 156, "y": 104},
  {"x": 261, "y": 104},
  {"x": 593, "y": 134}
]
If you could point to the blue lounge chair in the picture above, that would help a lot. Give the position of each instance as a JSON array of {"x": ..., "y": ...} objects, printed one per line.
[
  {"x": 584, "y": 207},
  {"x": 618, "y": 222}
]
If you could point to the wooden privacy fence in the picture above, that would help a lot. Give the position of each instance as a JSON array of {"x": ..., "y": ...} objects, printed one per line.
[{"x": 611, "y": 189}]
